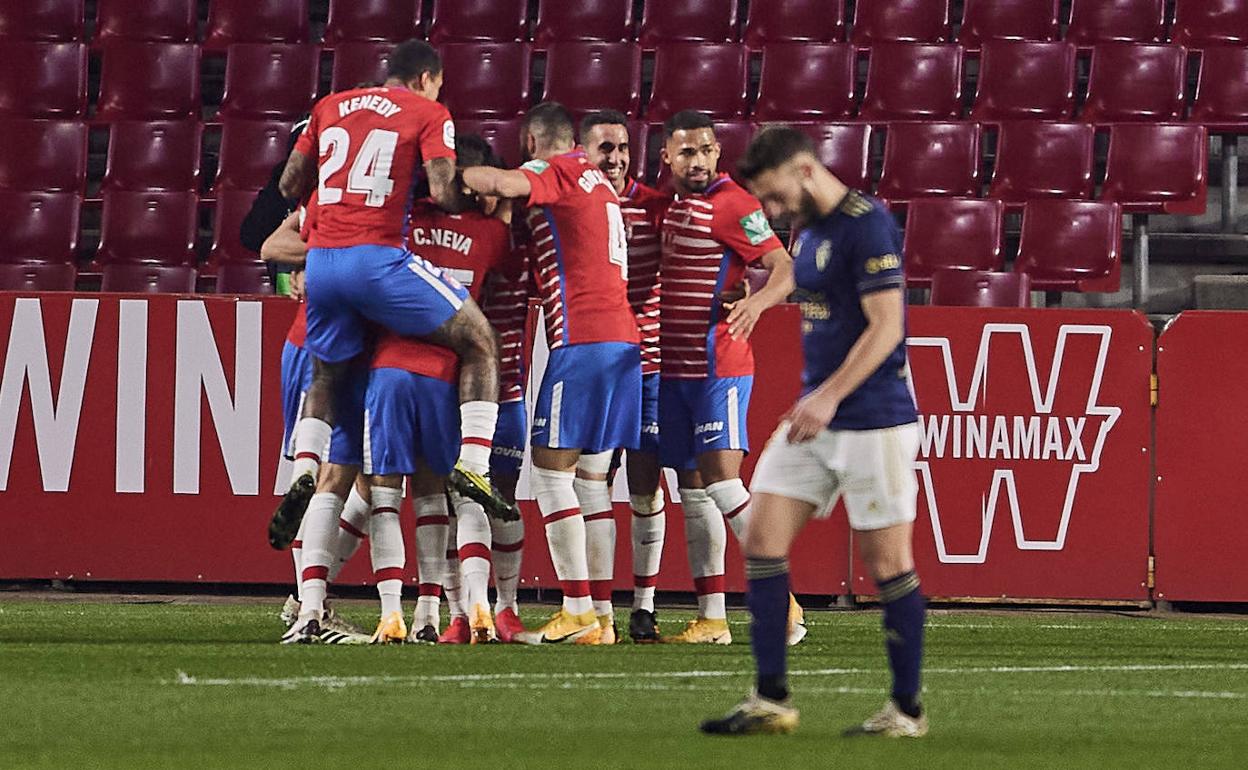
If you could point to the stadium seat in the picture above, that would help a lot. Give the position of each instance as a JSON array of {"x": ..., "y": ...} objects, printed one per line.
[
  {"x": 845, "y": 148},
  {"x": 1130, "y": 82},
  {"x": 807, "y": 21},
  {"x": 50, "y": 20},
  {"x": 270, "y": 81},
  {"x": 249, "y": 21},
  {"x": 227, "y": 217},
  {"x": 1071, "y": 245},
  {"x": 960, "y": 233},
  {"x": 702, "y": 21},
  {"x": 244, "y": 278},
  {"x": 149, "y": 81},
  {"x": 148, "y": 226},
  {"x": 980, "y": 288},
  {"x": 486, "y": 80},
  {"x": 805, "y": 81},
  {"x": 984, "y": 20},
  {"x": 38, "y": 226},
  {"x": 1093, "y": 22},
  {"x": 52, "y": 155},
  {"x": 708, "y": 77},
  {"x": 465, "y": 20},
  {"x": 357, "y": 62},
  {"x": 586, "y": 75},
  {"x": 564, "y": 20},
  {"x": 503, "y": 136},
  {"x": 1200, "y": 23},
  {"x": 155, "y": 21},
  {"x": 153, "y": 156},
  {"x": 1221, "y": 103},
  {"x": 389, "y": 20},
  {"x": 1043, "y": 160},
  {"x": 1157, "y": 167},
  {"x": 926, "y": 159},
  {"x": 908, "y": 81},
  {"x": 249, "y": 151},
  {"x": 42, "y": 80},
  {"x": 1025, "y": 81},
  {"x": 38, "y": 277},
  {"x": 733, "y": 136},
  {"x": 148, "y": 279},
  {"x": 908, "y": 21}
]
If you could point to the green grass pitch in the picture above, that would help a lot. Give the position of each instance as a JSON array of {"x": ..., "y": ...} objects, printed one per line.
[{"x": 197, "y": 685}]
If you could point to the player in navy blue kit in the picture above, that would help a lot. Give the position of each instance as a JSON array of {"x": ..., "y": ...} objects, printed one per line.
[{"x": 853, "y": 435}]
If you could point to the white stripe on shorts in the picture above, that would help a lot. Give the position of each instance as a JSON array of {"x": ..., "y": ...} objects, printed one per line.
[
  {"x": 423, "y": 269},
  {"x": 290, "y": 440},
  {"x": 556, "y": 407},
  {"x": 734, "y": 427},
  {"x": 368, "y": 447}
]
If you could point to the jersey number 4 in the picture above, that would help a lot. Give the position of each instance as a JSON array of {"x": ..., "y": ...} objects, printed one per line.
[
  {"x": 370, "y": 172},
  {"x": 619, "y": 238}
]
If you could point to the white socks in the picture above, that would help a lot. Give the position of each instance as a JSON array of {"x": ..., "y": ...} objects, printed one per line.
[
  {"x": 594, "y": 498},
  {"x": 706, "y": 538},
  {"x": 352, "y": 529},
  {"x": 508, "y": 537},
  {"x": 386, "y": 547},
  {"x": 296, "y": 555},
  {"x": 565, "y": 535},
  {"x": 450, "y": 577},
  {"x": 432, "y": 522},
  {"x": 476, "y": 424},
  {"x": 649, "y": 528},
  {"x": 733, "y": 501},
  {"x": 311, "y": 441},
  {"x": 472, "y": 535},
  {"x": 320, "y": 527}
]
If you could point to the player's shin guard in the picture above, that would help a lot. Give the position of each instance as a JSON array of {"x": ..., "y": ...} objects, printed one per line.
[
  {"x": 386, "y": 547},
  {"x": 565, "y": 535},
  {"x": 594, "y": 498},
  {"x": 733, "y": 501},
  {"x": 472, "y": 536},
  {"x": 905, "y": 612},
  {"x": 477, "y": 420},
  {"x": 432, "y": 523},
  {"x": 706, "y": 538},
  {"x": 508, "y": 543},
  {"x": 353, "y": 527},
  {"x": 320, "y": 529},
  {"x": 649, "y": 527},
  {"x": 311, "y": 439},
  {"x": 767, "y": 596}
]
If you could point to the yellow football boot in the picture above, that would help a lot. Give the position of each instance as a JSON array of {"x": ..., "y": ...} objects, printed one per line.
[
  {"x": 562, "y": 627},
  {"x": 392, "y": 629},
  {"x": 703, "y": 631},
  {"x": 604, "y": 634},
  {"x": 797, "y": 622},
  {"x": 481, "y": 625}
]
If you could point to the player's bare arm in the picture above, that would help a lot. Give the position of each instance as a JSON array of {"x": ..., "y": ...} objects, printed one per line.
[
  {"x": 505, "y": 183},
  {"x": 442, "y": 187},
  {"x": 284, "y": 246},
  {"x": 885, "y": 313},
  {"x": 744, "y": 315},
  {"x": 298, "y": 178}
]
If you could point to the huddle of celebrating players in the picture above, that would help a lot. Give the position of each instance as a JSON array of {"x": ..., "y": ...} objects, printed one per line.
[{"x": 415, "y": 314}]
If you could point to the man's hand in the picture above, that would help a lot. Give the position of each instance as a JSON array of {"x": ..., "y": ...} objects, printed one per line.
[
  {"x": 810, "y": 415},
  {"x": 744, "y": 314},
  {"x": 297, "y": 288}
]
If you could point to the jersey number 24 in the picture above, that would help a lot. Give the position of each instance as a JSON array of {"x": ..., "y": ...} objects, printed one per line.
[{"x": 370, "y": 173}]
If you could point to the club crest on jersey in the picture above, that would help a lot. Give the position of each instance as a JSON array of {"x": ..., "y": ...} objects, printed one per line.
[
  {"x": 823, "y": 255},
  {"x": 757, "y": 228}
]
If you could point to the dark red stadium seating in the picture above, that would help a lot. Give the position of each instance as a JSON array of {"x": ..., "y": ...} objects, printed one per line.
[
  {"x": 708, "y": 77},
  {"x": 1043, "y": 160},
  {"x": 232, "y": 207},
  {"x": 845, "y": 148},
  {"x": 157, "y": 21},
  {"x": 558, "y": 20},
  {"x": 1157, "y": 167},
  {"x": 1071, "y": 245},
  {"x": 925, "y": 159},
  {"x": 59, "y": 20},
  {"x": 243, "y": 278},
  {"x": 357, "y": 62},
  {"x": 52, "y": 155},
  {"x": 148, "y": 226},
  {"x": 733, "y": 137},
  {"x": 1025, "y": 81},
  {"x": 813, "y": 21},
  {"x": 1222, "y": 90},
  {"x": 910, "y": 21},
  {"x": 38, "y": 226},
  {"x": 249, "y": 151},
  {"x": 464, "y": 20},
  {"x": 1200, "y": 23},
  {"x": 980, "y": 288},
  {"x": 962, "y": 233},
  {"x": 486, "y": 80},
  {"x": 587, "y": 75},
  {"x": 391, "y": 20},
  {"x": 984, "y": 20},
  {"x": 1093, "y": 22},
  {"x": 250, "y": 21},
  {"x": 150, "y": 81},
  {"x": 909, "y": 81},
  {"x": 806, "y": 81},
  {"x": 703, "y": 21},
  {"x": 1131, "y": 82},
  {"x": 148, "y": 279},
  {"x": 503, "y": 136},
  {"x": 37, "y": 277},
  {"x": 42, "y": 80},
  {"x": 153, "y": 156},
  {"x": 270, "y": 80}
]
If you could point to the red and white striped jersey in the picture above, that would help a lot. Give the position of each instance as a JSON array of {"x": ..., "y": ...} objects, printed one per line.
[
  {"x": 506, "y": 305},
  {"x": 708, "y": 239},
  {"x": 580, "y": 252},
  {"x": 643, "y": 209}
]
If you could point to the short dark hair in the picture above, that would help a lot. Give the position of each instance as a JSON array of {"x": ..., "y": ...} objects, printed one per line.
[
  {"x": 771, "y": 148},
  {"x": 550, "y": 122},
  {"x": 474, "y": 150},
  {"x": 411, "y": 59},
  {"x": 602, "y": 118},
  {"x": 686, "y": 120}
]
